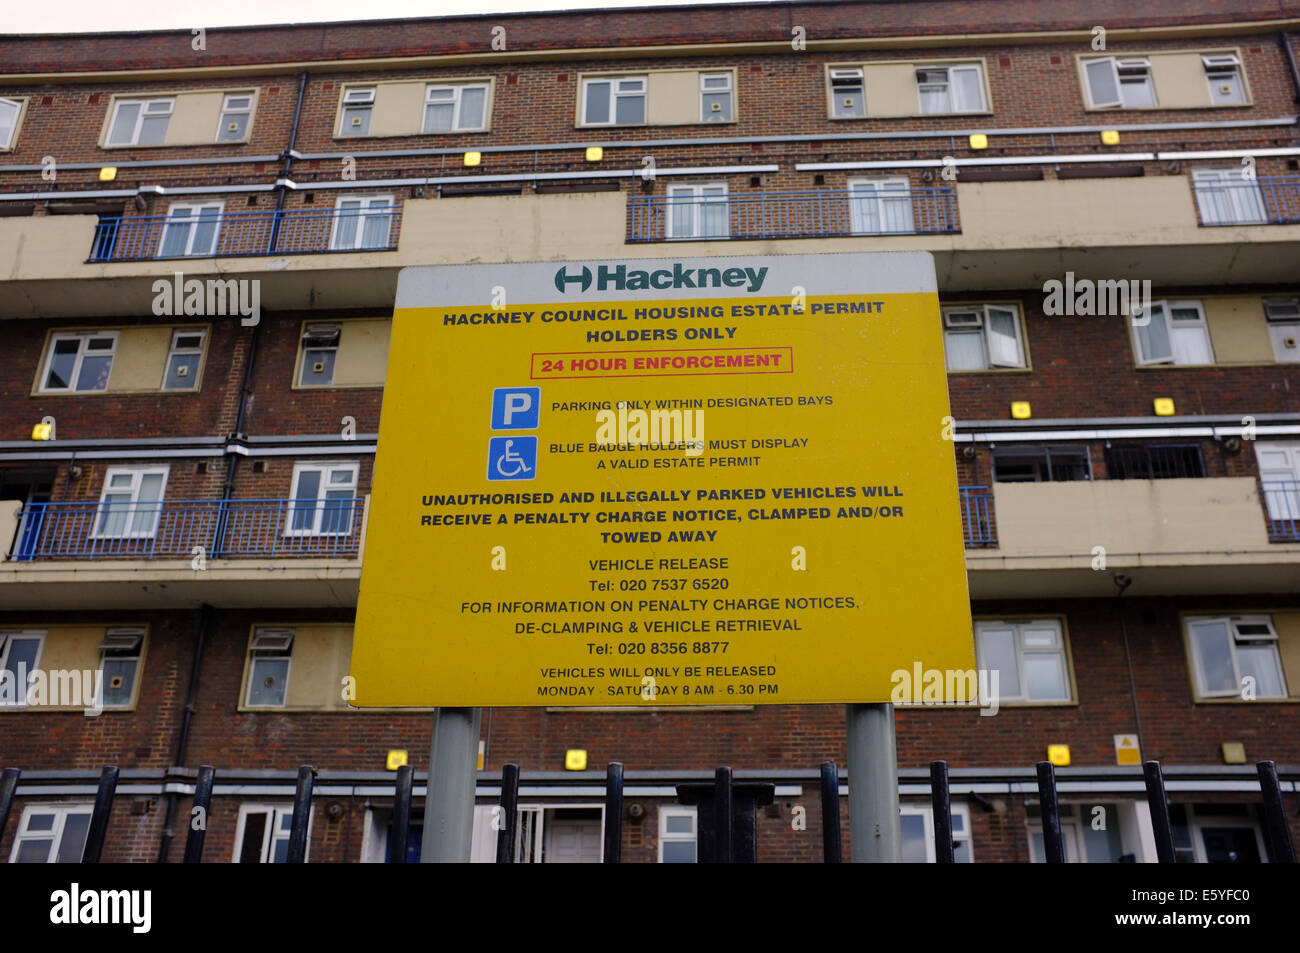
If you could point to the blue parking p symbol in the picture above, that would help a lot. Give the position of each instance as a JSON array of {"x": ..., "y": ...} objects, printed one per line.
[{"x": 516, "y": 408}]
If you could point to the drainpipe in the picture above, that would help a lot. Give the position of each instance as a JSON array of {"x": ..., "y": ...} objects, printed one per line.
[
  {"x": 281, "y": 191},
  {"x": 1290, "y": 58},
  {"x": 182, "y": 744},
  {"x": 1122, "y": 582}
]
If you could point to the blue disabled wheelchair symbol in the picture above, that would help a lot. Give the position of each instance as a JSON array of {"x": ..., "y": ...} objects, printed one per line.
[{"x": 512, "y": 458}]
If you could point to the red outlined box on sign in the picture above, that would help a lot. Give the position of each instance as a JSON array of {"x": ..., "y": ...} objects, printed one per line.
[{"x": 670, "y": 362}]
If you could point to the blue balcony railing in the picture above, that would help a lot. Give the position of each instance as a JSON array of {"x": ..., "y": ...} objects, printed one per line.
[
  {"x": 824, "y": 213},
  {"x": 1282, "y": 504},
  {"x": 232, "y": 234},
  {"x": 978, "y": 528},
  {"x": 177, "y": 529},
  {"x": 1231, "y": 199}
]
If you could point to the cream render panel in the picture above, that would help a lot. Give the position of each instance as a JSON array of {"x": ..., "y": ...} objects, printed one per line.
[
  {"x": 320, "y": 659},
  {"x": 362, "y": 359},
  {"x": 398, "y": 109},
  {"x": 1287, "y": 625},
  {"x": 75, "y": 648},
  {"x": 673, "y": 98},
  {"x": 195, "y": 118},
  {"x": 141, "y": 359},
  {"x": 1180, "y": 81},
  {"x": 891, "y": 89},
  {"x": 1238, "y": 330}
]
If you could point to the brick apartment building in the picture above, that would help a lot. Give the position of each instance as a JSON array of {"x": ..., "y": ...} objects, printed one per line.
[{"x": 183, "y": 496}]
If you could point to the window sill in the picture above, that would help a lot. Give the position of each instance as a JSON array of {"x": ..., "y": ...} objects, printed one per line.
[
  {"x": 413, "y": 135},
  {"x": 327, "y": 387},
  {"x": 1236, "y": 700},
  {"x": 1155, "y": 109},
  {"x": 173, "y": 145},
  {"x": 997, "y": 370}
]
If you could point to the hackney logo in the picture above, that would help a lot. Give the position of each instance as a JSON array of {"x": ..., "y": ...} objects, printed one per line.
[{"x": 622, "y": 278}]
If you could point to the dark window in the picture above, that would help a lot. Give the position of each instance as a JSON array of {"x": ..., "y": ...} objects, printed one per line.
[
  {"x": 1041, "y": 465},
  {"x": 1155, "y": 462}
]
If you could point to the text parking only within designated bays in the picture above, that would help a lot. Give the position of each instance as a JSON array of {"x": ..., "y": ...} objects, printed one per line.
[{"x": 693, "y": 481}]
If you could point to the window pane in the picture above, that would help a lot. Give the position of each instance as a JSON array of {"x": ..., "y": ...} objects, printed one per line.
[
  {"x": 1045, "y": 677},
  {"x": 629, "y": 109},
  {"x": 205, "y": 231},
  {"x": 597, "y": 103},
  {"x": 965, "y": 350},
  {"x": 318, "y": 367},
  {"x": 356, "y": 121},
  {"x": 1004, "y": 343},
  {"x": 94, "y": 372},
  {"x": 1261, "y": 662},
  {"x": 723, "y": 103},
  {"x": 337, "y": 515},
  {"x": 123, "y": 671},
  {"x": 376, "y": 224},
  {"x": 22, "y": 652},
  {"x": 153, "y": 130},
  {"x": 968, "y": 91},
  {"x": 267, "y": 681},
  {"x": 40, "y": 822},
  {"x": 437, "y": 117},
  {"x": 346, "y": 224},
  {"x": 848, "y": 101},
  {"x": 913, "y": 839},
  {"x": 679, "y": 852},
  {"x": 73, "y": 843},
  {"x": 998, "y": 653},
  {"x": 124, "y": 124},
  {"x": 34, "y": 850},
  {"x": 1190, "y": 345},
  {"x": 1137, "y": 92},
  {"x": 1101, "y": 82},
  {"x": 961, "y": 849},
  {"x": 182, "y": 372},
  {"x": 1039, "y": 638},
  {"x": 1153, "y": 338},
  {"x": 1211, "y": 647},
  {"x": 62, "y": 364},
  {"x": 473, "y": 99},
  {"x": 250, "y": 849},
  {"x": 240, "y": 123},
  {"x": 679, "y": 824},
  {"x": 934, "y": 98}
]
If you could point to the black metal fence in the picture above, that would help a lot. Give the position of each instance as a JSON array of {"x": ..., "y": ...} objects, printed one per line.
[{"x": 727, "y": 814}]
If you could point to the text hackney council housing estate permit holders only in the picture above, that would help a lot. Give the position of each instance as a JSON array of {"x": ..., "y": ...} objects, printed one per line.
[{"x": 676, "y": 481}]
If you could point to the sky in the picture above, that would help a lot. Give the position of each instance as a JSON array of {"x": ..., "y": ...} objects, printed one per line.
[{"x": 97, "y": 16}]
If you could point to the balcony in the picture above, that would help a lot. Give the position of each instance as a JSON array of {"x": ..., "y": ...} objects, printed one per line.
[
  {"x": 824, "y": 213},
  {"x": 1227, "y": 198},
  {"x": 183, "y": 529},
  {"x": 977, "y": 526},
  {"x": 1282, "y": 505},
  {"x": 221, "y": 234},
  {"x": 1172, "y": 536}
]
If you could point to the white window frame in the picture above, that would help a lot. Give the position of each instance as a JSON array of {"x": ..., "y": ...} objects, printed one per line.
[
  {"x": 324, "y": 469},
  {"x": 984, "y": 325},
  {"x": 274, "y": 643},
  {"x": 11, "y": 111},
  {"x": 82, "y": 353},
  {"x": 60, "y": 812},
  {"x": 6, "y": 639},
  {"x": 364, "y": 213},
  {"x": 1162, "y": 311},
  {"x": 191, "y": 221},
  {"x": 317, "y": 329},
  {"x": 1116, "y": 64},
  {"x": 132, "y": 512},
  {"x": 122, "y": 639},
  {"x": 614, "y": 95},
  {"x": 1229, "y": 64},
  {"x": 1234, "y": 637},
  {"x": 878, "y": 195},
  {"x": 356, "y": 98},
  {"x": 1196, "y": 824},
  {"x": 272, "y": 832},
  {"x": 850, "y": 79},
  {"x": 926, "y": 813},
  {"x": 176, "y": 350},
  {"x": 145, "y": 103},
  {"x": 457, "y": 91},
  {"x": 228, "y": 111},
  {"x": 1282, "y": 316},
  {"x": 1237, "y": 200},
  {"x": 677, "y": 810},
  {"x": 951, "y": 88},
  {"x": 1018, "y": 694},
  {"x": 706, "y": 115},
  {"x": 699, "y": 200}
]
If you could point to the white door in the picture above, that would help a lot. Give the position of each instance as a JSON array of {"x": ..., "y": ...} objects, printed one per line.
[
  {"x": 572, "y": 840},
  {"x": 1226, "y": 197},
  {"x": 880, "y": 206},
  {"x": 1279, "y": 472},
  {"x": 1070, "y": 838}
]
